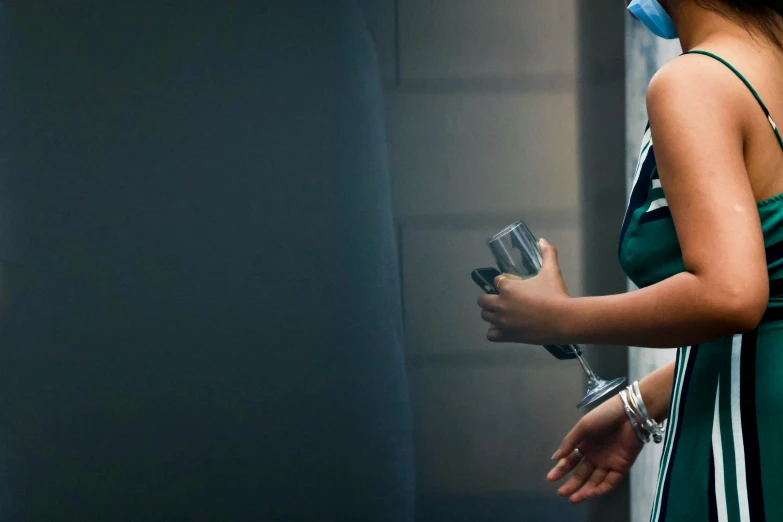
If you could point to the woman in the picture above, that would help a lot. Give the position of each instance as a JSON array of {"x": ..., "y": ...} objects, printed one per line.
[{"x": 703, "y": 240}]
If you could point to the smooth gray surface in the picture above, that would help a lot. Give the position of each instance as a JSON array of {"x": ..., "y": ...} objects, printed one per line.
[
  {"x": 483, "y": 131},
  {"x": 212, "y": 330},
  {"x": 602, "y": 162}
]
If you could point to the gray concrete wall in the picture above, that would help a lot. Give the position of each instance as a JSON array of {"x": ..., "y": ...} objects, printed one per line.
[
  {"x": 482, "y": 109},
  {"x": 500, "y": 109},
  {"x": 602, "y": 165}
]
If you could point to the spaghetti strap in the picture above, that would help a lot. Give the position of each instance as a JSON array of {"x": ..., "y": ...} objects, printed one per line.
[{"x": 748, "y": 85}]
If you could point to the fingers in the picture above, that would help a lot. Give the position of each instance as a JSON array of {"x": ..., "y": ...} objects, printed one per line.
[
  {"x": 612, "y": 480},
  {"x": 549, "y": 253},
  {"x": 588, "y": 489},
  {"x": 490, "y": 317},
  {"x": 503, "y": 279},
  {"x": 570, "y": 442},
  {"x": 490, "y": 313},
  {"x": 600, "y": 483},
  {"x": 490, "y": 303},
  {"x": 577, "y": 480},
  {"x": 496, "y": 335},
  {"x": 564, "y": 467}
]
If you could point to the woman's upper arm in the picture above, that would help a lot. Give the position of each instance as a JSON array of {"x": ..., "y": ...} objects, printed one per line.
[{"x": 696, "y": 120}]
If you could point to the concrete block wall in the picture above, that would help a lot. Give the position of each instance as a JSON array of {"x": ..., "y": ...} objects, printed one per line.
[{"x": 481, "y": 99}]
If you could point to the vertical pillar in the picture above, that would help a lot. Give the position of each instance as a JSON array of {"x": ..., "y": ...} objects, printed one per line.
[{"x": 602, "y": 165}]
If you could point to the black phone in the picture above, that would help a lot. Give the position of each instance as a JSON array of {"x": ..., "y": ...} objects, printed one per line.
[{"x": 485, "y": 278}]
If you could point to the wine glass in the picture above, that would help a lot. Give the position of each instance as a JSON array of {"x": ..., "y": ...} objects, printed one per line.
[{"x": 516, "y": 252}]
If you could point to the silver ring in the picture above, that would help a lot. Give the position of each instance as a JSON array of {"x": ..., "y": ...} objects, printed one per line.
[{"x": 578, "y": 453}]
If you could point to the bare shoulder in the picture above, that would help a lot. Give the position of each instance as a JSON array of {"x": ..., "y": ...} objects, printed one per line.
[{"x": 696, "y": 86}]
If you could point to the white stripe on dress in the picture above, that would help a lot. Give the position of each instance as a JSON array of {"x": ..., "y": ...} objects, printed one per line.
[
  {"x": 656, "y": 183},
  {"x": 671, "y": 435},
  {"x": 717, "y": 451},
  {"x": 658, "y": 203},
  {"x": 643, "y": 152},
  {"x": 736, "y": 429}
]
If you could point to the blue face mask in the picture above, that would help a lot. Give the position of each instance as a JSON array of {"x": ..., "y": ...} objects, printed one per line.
[{"x": 654, "y": 17}]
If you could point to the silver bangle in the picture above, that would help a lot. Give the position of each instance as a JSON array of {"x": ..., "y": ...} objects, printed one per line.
[
  {"x": 648, "y": 423},
  {"x": 632, "y": 417},
  {"x": 638, "y": 393},
  {"x": 640, "y": 418}
]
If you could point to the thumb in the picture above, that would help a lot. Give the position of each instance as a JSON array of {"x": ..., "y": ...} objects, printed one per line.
[{"x": 549, "y": 253}]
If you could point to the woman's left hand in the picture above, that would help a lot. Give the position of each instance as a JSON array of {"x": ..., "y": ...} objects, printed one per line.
[{"x": 530, "y": 311}]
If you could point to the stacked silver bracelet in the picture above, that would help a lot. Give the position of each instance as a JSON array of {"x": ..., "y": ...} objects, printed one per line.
[{"x": 644, "y": 425}]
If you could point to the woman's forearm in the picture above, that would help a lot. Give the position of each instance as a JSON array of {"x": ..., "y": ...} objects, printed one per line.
[
  {"x": 680, "y": 311},
  {"x": 656, "y": 391}
]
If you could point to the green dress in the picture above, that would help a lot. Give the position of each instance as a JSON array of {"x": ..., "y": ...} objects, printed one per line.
[{"x": 723, "y": 453}]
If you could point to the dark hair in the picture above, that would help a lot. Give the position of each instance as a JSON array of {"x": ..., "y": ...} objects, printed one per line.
[{"x": 764, "y": 14}]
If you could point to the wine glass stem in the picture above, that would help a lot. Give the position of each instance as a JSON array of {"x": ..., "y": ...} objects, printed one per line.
[{"x": 591, "y": 376}]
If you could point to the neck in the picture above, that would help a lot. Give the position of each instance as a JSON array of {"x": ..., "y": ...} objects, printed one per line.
[{"x": 696, "y": 25}]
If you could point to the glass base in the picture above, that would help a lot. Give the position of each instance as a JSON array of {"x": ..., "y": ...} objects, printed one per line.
[{"x": 598, "y": 389}]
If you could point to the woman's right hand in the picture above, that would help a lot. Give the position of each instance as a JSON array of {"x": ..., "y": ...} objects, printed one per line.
[{"x": 609, "y": 446}]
